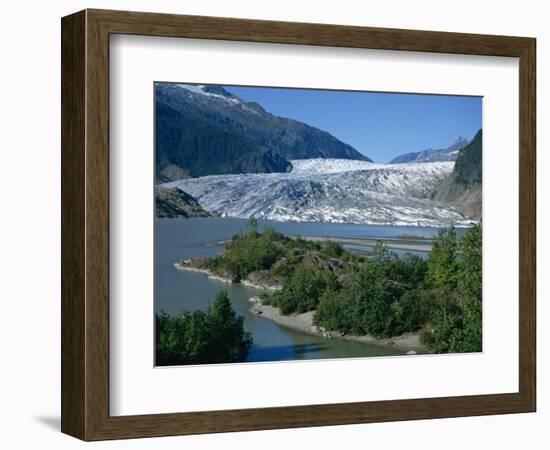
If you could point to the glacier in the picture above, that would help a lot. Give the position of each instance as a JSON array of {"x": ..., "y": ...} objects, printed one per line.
[{"x": 331, "y": 190}]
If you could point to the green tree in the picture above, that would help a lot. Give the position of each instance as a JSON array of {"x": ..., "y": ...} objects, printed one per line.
[
  {"x": 198, "y": 337},
  {"x": 470, "y": 263},
  {"x": 381, "y": 294},
  {"x": 229, "y": 341},
  {"x": 442, "y": 262},
  {"x": 331, "y": 311},
  {"x": 470, "y": 289},
  {"x": 302, "y": 290},
  {"x": 183, "y": 339},
  {"x": 377, "y": 293},
  {"x": 410, "y": 270},
  {"x": 457, "y": 319},
  {"x": 383, "y": 297},
  {"x": 411, "y": 311},
  {"x": 252, "y": 226},
  {"x": 341, "y": 310},
  {"x": 446, "y": 325}
]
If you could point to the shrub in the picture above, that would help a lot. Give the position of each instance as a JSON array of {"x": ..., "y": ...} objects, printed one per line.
[
  {"x": 332, "y": 249},
  {"x": 248, "y": 253},
  {"x": 302, "y": 289},
  {"x": 411, "y": 311},
  {"x": 340, "y": 311}
]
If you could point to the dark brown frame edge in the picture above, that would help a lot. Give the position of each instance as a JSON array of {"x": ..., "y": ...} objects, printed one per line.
[{"x": 85, "y": 224}]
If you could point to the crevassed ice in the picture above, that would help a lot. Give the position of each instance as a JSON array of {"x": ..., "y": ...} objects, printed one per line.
[{"x": 331, "y": 190}]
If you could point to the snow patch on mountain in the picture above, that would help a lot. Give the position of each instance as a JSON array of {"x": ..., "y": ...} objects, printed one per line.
[
  {"x": 201, "y": 89},
  {"x": 331, "y": 190}
]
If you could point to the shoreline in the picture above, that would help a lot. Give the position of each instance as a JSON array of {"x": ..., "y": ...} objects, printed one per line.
[
  {"x": 409, "y": 343},
  {"x": 184, "y": 266},
  {"x": 250, "y": 284}
]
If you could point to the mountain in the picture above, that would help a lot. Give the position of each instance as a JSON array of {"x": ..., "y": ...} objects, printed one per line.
[
  {"x": 431, "y": 155},
  {"x": 331, "y": 190},
  {"x": 206, "y": 130},
  {"x": 199, "y": 148},
  {"x": 468, "y": 167},
  {"x": 463, "y": 188},
  {"x": 174, "y": 203}
]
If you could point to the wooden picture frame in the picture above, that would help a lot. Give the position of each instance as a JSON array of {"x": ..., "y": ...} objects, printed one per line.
[{"x": 85, "y": 224}]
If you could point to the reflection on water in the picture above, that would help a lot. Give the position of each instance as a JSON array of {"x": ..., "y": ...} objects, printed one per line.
[{"x": 177, "y": 239}]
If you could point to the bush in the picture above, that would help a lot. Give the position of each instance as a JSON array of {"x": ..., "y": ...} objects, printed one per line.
[
  {"x": 332, "y": 249},
  {"x": 340, "y": 310},
  {"x": 382, "y": 298},
  {"x": 411, "y": 311},
  {"x": 302, "y": 290},
  {"x": 248, "y": 253},
  {"x": 410, "y": 270}
]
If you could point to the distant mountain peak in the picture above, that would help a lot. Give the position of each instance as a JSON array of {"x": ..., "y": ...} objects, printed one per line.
[
  {"x": 459, "y": 142},
  {"x": 218, "y": 90},
  {"x": 432, "y": 154},
  {"x": 210, "y": 91}
]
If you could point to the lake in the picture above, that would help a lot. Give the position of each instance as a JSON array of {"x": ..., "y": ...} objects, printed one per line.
[{"x": 177, "y": 239}]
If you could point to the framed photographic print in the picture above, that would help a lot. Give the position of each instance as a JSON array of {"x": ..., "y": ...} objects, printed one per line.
[{"x": 270, "y": 224}]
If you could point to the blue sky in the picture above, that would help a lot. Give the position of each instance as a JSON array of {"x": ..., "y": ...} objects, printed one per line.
[{"x": 379, "y": 125}]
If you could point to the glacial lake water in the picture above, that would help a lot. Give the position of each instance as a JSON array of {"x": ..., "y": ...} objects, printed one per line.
[{"x": 177, "y": 239}]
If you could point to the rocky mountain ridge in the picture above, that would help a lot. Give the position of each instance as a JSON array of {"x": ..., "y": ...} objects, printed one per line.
[
  {"x": 205, "y": 130},
  {"x": 173, "y": 203},
  {"x": 463, "y": 188},
  {"x": 432, "y": 155}
]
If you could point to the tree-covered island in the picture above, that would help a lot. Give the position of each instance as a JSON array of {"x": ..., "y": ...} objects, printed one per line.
[{"x": 380, "y": 295}]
